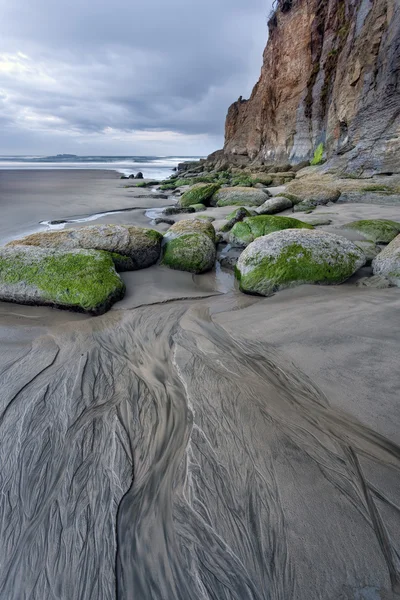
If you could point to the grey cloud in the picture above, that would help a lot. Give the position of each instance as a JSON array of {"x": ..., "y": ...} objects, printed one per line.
[{"x": 127, "y": 66}]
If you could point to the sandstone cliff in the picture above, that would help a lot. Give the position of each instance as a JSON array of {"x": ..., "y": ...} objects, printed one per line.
[{"x": 330, "y": 80}]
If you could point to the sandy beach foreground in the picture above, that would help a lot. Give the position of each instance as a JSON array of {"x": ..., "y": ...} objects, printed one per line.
[{"x": 195, "y": 442}]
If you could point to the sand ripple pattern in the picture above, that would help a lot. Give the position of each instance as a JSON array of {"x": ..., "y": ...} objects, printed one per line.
[{"x": 150, "y": 455}]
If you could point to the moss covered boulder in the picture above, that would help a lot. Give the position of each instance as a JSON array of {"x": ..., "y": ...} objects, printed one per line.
[
  {"x": 293, "y": 257},
  {"x": 190, "y": 246},
  {"x": 242, "y": 196},
  {"x": 198, "y": 194},
  {"x": 380, "y": 231},
  {"x": 246, "y": 231},
  {"x": 142, "y": 246},
  {"x": 80, "y": 280},
  {"x": 387, "y": 263}
]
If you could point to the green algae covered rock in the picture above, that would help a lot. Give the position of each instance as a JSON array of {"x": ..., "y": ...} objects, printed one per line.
[
  {"x": 199, "y": 207},
  {"x": 190, "y": 246},
  {"x": 142, "y": 246},
  {"x": 233, "y": 196},
  {"x": 246, "y": 231},
  {"x": 387, "y": 263},
  {"x": 241, "y": 210},
  {"x": 237, "y": 215},
  {"x": 294, "y": 257},
  {"x": 198, "y": 194},
  {"x": 80, "y": 280},
  {"x": 380, "y": 231}
]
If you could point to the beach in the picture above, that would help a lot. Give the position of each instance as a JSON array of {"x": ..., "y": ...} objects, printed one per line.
[{"x": 196, "y": 442}]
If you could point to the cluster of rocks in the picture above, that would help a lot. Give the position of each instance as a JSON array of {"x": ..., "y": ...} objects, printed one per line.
[
  {"x": 138, "y": 175},
  {"x": 79, "y": 268}
]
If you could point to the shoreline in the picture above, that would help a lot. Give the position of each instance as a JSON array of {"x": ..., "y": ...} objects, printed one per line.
[{"x": 239, "y": 427}]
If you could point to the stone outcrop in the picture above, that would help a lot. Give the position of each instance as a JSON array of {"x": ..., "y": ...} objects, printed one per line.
[{"x": 329, "y": 89}]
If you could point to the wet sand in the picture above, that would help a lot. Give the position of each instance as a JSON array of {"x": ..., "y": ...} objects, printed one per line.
[{"x": 198, "y": 443}]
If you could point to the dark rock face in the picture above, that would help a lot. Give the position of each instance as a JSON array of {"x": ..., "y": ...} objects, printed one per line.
[{"x": 331, "y": 76}]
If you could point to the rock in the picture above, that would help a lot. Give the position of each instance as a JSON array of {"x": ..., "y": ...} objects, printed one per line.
[
  {"x": 232, "y": 196},
  {"x": 160, "y": 220},
  {"x": 387, "y": 263},
  {"x": 199, "y": 207},
  {"x": 375, "y": 282},
  {"x": 306, "y": 207},
  {"x": 208, "y": 218},
  {"x": 380, "y": 231},
  {"x": 124, "y": 177},
  {"x": 274, "y": 205},
  {"x": 294, "y": 257},
  {"x": 177, "y": 210},
  {"x": 317, "y": 221},
  {"x": 200, "y": 193},
  {"x": 142, "y": 246},
  {"x": 131, "y": 176},
  {"x": 190, "y": 246},
  {"x": 311, "y": 192},
  {"x": 370, "y": 250},
  {"x": 262, "y": 179},
  {"x": 80, "y": 280},
  {"x": 139, "y": 175},
  {"x": 320, "y": 87},
  {"x": 237, "y": 215},
  {"x": 246, "y": 231}
]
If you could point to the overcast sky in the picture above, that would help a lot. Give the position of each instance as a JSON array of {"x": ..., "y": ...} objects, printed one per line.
[{"x": 125, "y": 76}]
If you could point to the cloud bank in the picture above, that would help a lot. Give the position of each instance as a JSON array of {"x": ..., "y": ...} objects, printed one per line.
[{"x": 125, "y": 77}]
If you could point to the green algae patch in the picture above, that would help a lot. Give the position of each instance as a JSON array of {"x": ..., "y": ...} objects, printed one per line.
[
  {"x": 318, "y": 155},
  {"x": 82, "y": 280},
  {"x": 380, "y": 231},
  {"x": 246, "y": 231},
  {"x": 198, "y": 194}
]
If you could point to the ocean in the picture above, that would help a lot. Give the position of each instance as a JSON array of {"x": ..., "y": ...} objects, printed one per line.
[{"x": 152, "y": 167}]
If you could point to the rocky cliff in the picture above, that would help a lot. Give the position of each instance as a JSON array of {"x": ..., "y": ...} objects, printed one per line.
[{"x": 329, "y": 87}]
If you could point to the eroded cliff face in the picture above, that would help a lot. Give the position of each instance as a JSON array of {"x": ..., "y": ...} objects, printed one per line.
[{"x": 331, "y": 76}]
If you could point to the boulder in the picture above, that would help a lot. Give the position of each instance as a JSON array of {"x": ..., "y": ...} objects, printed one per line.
[
  {"x": 232, "y": 196},
  {"x": 161, "y": 220},
  {"x": 387, "y": 263},
  {"x": 309, "y": 191},
  {"x": 246, "y": 231},
  {"x": 190, "y": 246},
  {"x": 177, "y": 210},
  {"x": 294, "y": 257},
  {"x": 274, "y": 205},
  {"x": 200, "y": 193},
  {"x": 234, "y": 217},
  {"x": 199, "y": 207},
  {"x": 142, "y": 246},
  {"x": 139, "y": 175},
  {"x": 375, "y": 282},
  {"x": 370, "y": 249},
  {"x": 380, "y": 231},
  {"x": 79, "y": 280}
]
